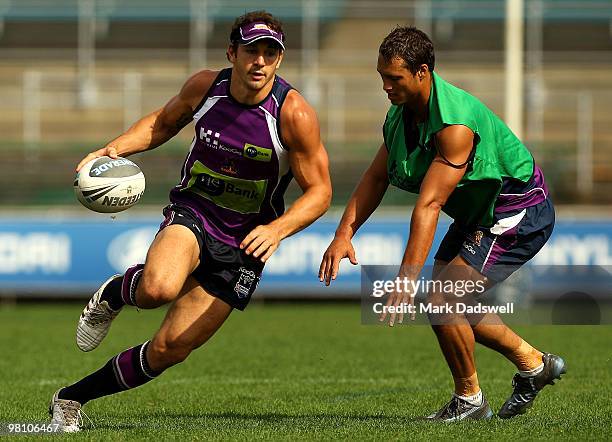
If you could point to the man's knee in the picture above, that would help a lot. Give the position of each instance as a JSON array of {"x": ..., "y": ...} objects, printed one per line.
[
  {"x": 156, "y": 290},
  {"x": 443, "y": 310},
  {"x": 165, "y": 352}
]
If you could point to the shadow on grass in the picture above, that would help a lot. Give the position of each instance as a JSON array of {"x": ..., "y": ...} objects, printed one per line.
[{"x": 188, "y": 419}]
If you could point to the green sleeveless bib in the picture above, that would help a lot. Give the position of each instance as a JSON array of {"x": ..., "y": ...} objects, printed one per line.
[{"x": 498, "y": 154}]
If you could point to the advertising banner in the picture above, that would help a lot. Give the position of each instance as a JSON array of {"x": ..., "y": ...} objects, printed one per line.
[{"x": 72, "y": 256}]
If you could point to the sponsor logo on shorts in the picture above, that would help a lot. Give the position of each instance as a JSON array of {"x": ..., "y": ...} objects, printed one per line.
[
  {"x": 245, "y": 282},
  {"x": 476, "y": 237},
  {"x": 469, "y": 248},
  {"x": 257, "y": 153},
  {"x": 195, "y": 226}
]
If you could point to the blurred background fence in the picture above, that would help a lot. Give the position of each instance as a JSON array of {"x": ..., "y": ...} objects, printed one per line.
[{"x": 75, "y": 73}]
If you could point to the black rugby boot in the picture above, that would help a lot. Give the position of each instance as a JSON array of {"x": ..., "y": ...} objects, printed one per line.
[{"x": 527, "y": 388}]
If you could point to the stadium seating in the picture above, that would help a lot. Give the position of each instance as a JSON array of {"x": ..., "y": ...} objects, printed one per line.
[{"x": 152, "y": 38}]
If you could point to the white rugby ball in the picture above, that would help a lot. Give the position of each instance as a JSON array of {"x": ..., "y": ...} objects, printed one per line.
[{"x": 106, "y": 185}]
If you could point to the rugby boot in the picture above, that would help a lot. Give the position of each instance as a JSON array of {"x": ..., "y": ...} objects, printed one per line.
[
  {"x": 65, "y": 414},
  {"x": 527, "y": 388},
  {"x": 458, "y": 409},
  {"x": 95, "y": 320}
]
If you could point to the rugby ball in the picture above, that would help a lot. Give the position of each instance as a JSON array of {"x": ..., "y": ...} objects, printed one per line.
[{"x": 107, "y": 185}]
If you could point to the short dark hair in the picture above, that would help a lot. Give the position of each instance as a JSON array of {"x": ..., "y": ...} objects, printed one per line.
[
  {"x": 260, "y": 16},
  {"x": 410, "y": 45}
]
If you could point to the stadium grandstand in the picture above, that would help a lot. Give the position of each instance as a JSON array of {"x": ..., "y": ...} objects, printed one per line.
[{"x": 75, "y": 72}]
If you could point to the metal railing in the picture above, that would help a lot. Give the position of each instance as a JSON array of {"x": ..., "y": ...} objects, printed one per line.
[{"x": 51, "y": 101}]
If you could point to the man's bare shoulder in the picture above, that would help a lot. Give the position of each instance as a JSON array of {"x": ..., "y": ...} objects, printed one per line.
[
  {"x": 296, "y": 110},
  {"x": 197, "y": 86},
  {"x": 454, "y": 144},
  {"x": 299, "y": 121},
  {"x": 295, "y": 101},
  {"x": 205, "y": 76}
]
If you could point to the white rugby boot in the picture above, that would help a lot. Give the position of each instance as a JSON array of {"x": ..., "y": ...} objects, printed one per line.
[
  {"x": 66, "y": 414},
  {"x": 96, "y": 319}
]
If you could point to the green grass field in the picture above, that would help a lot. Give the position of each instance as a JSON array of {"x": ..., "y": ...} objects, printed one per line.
[{"x": 297, "y": 371}]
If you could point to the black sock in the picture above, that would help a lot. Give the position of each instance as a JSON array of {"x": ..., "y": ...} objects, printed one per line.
[
  {"x": 122, "y": 291},
  {"x": 112, "y": 294},
  {"x": 125, "y": 371}
]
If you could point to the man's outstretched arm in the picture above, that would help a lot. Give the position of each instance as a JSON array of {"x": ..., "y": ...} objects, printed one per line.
[
  {"x": 159, "y": 126},
  {"x": 365, "y": 199},
  {"x": 454, "y": 144}
]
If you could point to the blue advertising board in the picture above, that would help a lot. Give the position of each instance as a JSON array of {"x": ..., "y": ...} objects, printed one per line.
[{"x": 72, "y": 256}]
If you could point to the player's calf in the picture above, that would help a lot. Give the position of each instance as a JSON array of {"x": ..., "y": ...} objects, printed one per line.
[{"x": 165, "y": 352}]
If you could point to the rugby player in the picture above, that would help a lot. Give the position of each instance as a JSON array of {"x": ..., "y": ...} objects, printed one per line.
[
  {"x": 460, "y": 158},
  {"x": 253, "y": 134}
]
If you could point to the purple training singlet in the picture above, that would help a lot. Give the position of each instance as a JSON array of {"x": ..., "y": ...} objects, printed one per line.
[{"x": 237, "y": 168}]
